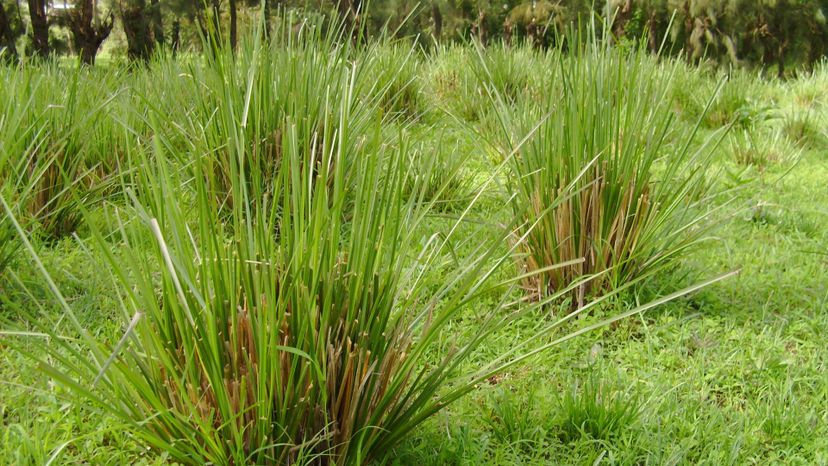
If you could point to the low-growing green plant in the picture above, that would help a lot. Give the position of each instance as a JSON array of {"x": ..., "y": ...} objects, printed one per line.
[
  {"x": 753, "y": 146},
  {"x": 597, "y": 179},
  {"x": 804, "y": 129},
  {"x": 512, "y": 421},
  {"x": 596, "y": 409}
]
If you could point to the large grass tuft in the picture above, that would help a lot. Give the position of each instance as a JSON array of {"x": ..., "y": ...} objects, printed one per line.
[{"x": 603, "y": 175}]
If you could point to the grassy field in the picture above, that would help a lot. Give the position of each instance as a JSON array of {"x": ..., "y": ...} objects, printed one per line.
[{"x": 736, "y": 373}]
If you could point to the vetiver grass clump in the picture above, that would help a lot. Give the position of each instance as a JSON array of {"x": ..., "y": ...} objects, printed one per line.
[
  {"x": 297, "y": 82},
  {"x": 61, "y": 145},
  {"x": 457, "y": 77},
  {"x": 295, "y": 329},
  {"x": 13, "y": 156},
  {"x": 395, "y": 66},
  {"x": 58, "y": 148},
  {"x": 605, "y": 175},
  {"x": 282, "y": 334}
]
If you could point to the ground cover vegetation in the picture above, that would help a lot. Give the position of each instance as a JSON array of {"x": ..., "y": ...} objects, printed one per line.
[{"x": 309, "y": 245}]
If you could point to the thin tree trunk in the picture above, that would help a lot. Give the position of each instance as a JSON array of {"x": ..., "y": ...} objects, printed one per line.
[
  {"x": 211, "y": 27},
  {"x": 216, "y": 22},
  {"x": 233, "y": 24},
  {"x": 620, "y": 17},
  {"x": 176, "y": 36},
  {"x": 780, "y": 62},
  {"x": 652, "y": 41},
  {"x": 157, "y": 22},
  {"x": 346, "y": 12},
  {"x": 136, "y": 25},
  {"x": 7, "y": 39},
  {"x": 480, "y": 26},
  {"x": 437, "y": 17},
  {"x": 40, "y": 27},
  {"x": 268, "y": 12}
]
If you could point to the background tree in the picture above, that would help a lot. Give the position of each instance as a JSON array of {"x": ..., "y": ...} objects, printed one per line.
[
  {"x": 817, "y": 32},
  {"x": 157, "y": 18},
  {"x": 774, "y": 34},
  {"x": 88, "y": 31},
  {"x": 778, "y": 25},
  {"x": 39, "y": 27},
  {"x": 193, "y": 18},
  {"x": 234, "y": 20},
  {"x": 537, "y": 21},
  {"x": 136, "y": 18},
  {"x": 11, "y": 27}
]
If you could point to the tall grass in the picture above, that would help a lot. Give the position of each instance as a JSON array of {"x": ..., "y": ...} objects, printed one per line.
[
  {"x": 439, "y": 168},
  {"x": 760, "y": 148},
  {"x": 606, "y": 176},
  {"x": 457, "y": 80},
  {"x": 285, "y": 310},
  {"x": 395, "y": 67},
  {"x": 14, "y": 150},
  {"x": 60, "y": 144},
  {"x": 293, "y": 84}
]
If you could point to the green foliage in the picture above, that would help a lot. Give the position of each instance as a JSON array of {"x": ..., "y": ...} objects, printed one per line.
[
  {"x": 437, "y": 170},
  {"x": 449, "y": 87},
  {"x": 512, "y": 423},
  {"x": 296, "y": 89}
]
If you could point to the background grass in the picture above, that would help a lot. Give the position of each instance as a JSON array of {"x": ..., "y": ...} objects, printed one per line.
[{"x": 733, "y": 375}]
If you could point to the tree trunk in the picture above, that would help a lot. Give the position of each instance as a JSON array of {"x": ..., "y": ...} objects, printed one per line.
[
  {"x": 268, "y": 12},
  {"x": 233, "y": 25},
  {"x": 216, "y": 19},
  {"x": 479, "y": 27},
  {"x": 212, "y": 26},
  {"x": 652, "y": 41},
  {"x": 87, "y": 33},
  {"x": 40, "y": 27},
  {"x": 8, "y": 50},
  {"x": 437, "y": 17},
  {"x": 689, "y": 26},
  {"x": 780, "y": 62},
  {"x": 157, "y": 22},
  {"x": 620, "y": 17},
  {"x": 137, "y": 30},
  {"x": 346, "y": 12},
  {"x": 176, "y": 36},
  {"x": 350, "y": 12},
  {"x": 87, "y": 52}
]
